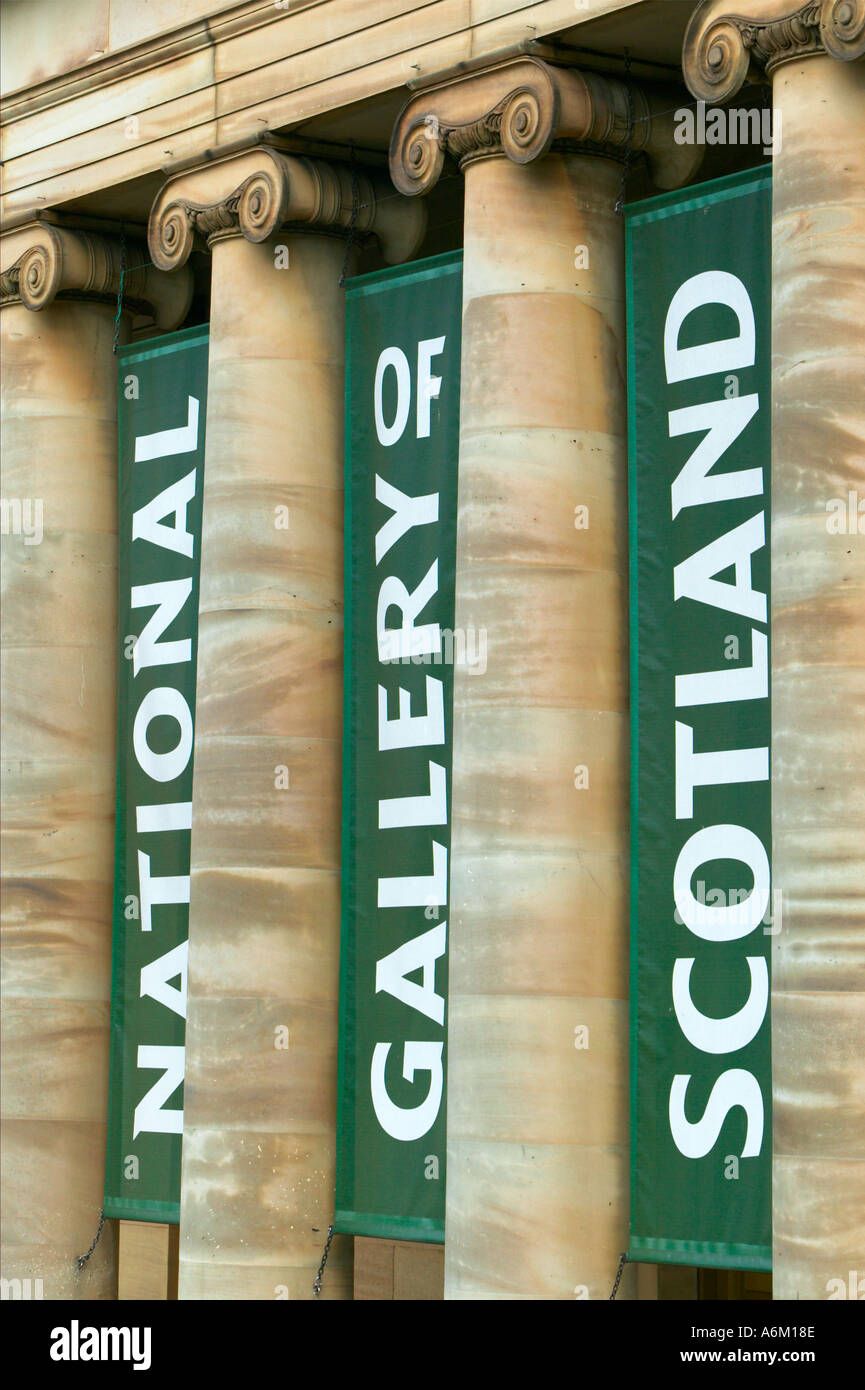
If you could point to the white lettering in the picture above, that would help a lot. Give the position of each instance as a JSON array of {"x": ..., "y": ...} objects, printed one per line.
[
  {"x": 407, "y": 640},
  {"x": 408, "y": 1124},
  {"x": 408, "y": 730},
  {"x": 734, "y": 1087},
  {"x": 724, "y": 420},
  {"x": 169, "y": 597},
  {"x": 721, "y": 1034},
  {"x": 693, "y": 578},
  {"x": 156, "y": 975},
  {"x": 734, "y": 683},
  {"x": 154, "y": 891},
  {"x": 172, "y": 815},
  {"x": 421, "y": 953},
  {"x": 163, "y": 700},
  {"x": 147, "y": 524},
  {"x": 418, "y": 892},
  {"x": 712, "y": 769},
  {"x": 733, "y": 920},
  {"x": 150, "y": 1118},
  {"x": 398, "y": 811},
  {"x": 407, "y": 512},
  {"x": 164, "y": 443},
  {"x": 392, "y": 357},
  {"x": 726, "y": 355},
  {"x": 428, "y": 386}
]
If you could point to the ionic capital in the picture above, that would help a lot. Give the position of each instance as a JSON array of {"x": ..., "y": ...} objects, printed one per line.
[
  {"x": 720, "y": 48},
  {"x": 261, "y": 190},
  {"x": 43, "y": 261},
  {"x": 518, "y": 108}
]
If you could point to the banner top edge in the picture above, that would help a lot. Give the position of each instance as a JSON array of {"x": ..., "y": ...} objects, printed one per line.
[
  {"x": 682, "y": 199},
  {"x": 403, "y": 273},
  {"x": 163, "y": 343}
]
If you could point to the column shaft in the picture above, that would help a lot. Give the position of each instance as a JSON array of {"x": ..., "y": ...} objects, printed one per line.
[
  {"x": 260, "y": 1095},
  {"x": 818, "y": 675},
  {"x": 538, "y": 1032},
  {"x": 59, "y": 720}
]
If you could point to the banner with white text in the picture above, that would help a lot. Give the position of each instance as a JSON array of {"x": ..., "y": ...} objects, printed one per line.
[
  {"x": 703, "y": 909},
  {"x": 162, "y": 391},
  {"x": 402, "y": 440}
]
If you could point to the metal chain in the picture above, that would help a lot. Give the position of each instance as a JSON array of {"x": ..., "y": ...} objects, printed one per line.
[
  {"x": 120, "y": 288},
  {"x": 82, "y": 1259},
  {"x": 629, "y": 147},
  {"x": 355, "y": 208},
  {"x": 316, "y": 1287},
  {"x": 622, "y": 1262}
]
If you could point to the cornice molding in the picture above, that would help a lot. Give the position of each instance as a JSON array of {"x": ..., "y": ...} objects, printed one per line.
[
  {"x": 42, "y": 262},
  {"x": 519, "y": 108},
  {"x": 256, "y": 192},
  {"x": 722, "y": 47},
  {"x": 147, "y": 54}
]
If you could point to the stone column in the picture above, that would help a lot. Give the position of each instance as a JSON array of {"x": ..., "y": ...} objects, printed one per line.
[
  {"x": 59, "y": 717},
  {"x": 260, "y": 1094},
  {"x": 818, "y": 615},
  {"x": 537, "y": 1179}
]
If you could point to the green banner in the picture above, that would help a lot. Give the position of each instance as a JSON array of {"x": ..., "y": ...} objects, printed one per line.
[
  {"x": 702, "y": 905},
  {"x": 402, "y": 441},
  {"x": 161, "y": 411}
]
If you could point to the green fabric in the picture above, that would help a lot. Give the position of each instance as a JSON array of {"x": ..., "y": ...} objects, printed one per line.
[
  {"x": 388, "y": 1185},
  {"x": 712, "y": 1208},
  {"x": 157, "y": 383}
]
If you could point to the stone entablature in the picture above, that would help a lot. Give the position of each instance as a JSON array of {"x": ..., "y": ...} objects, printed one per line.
[{"x": 256, "y": 66}]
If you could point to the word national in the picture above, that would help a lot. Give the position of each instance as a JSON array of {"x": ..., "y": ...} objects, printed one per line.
[{"x": 161, "y": 524}]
